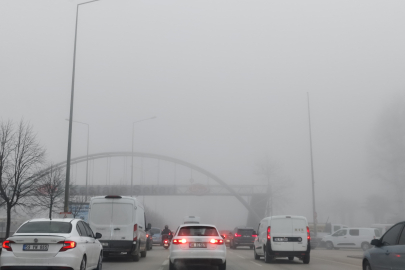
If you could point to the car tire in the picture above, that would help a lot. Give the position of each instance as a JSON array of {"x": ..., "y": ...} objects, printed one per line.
[
  {"x": 257, "y": 257},
  {"x": 222, "y": 266},
  {"x": 267, "y": 258},
  {"x": 291, "y": 258},
  {"x": 143, "y": 253},
  {"x": 135, "y": 256},
  {"x": 100, "y": 262},
  {"x": 171, "y": 265},
  {"x": 329, "y": 245},
  {"x": 365, "y": 246},
  {"x": 306, "y": 259},
  {"x": 366, "y": 265},
  {"x": 83, "y": 263}
]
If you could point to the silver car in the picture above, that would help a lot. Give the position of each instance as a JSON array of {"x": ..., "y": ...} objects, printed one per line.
[{"x": 388, "y": 251}]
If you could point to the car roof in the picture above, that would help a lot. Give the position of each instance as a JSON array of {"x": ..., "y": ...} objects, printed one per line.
[
  {"x": 249, "y": 228},
  {"x": 54, "y": 219},
  {"x": 197, "y": 225}
]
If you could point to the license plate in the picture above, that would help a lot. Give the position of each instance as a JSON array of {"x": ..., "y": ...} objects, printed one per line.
[
  {"x": 198, "y": 245},
  {"x": 246, "y": 236},
  {"x": 31, "y": 247},
  {"x": 104, "y": 244},
  {"x": 166, "y": 245},
  {"x": 280, "y": 239}
]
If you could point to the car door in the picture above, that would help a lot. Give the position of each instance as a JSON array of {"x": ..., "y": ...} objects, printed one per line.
[
  {"x": 382, "y": 257},
  {"x": 92, "y": 247},
  {"x": 339, "y": 238},
  {"x": 398, "y": 261}
]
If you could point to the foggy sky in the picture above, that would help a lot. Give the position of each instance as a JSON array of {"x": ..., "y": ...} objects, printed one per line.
[{"x": 227, "y": 81}]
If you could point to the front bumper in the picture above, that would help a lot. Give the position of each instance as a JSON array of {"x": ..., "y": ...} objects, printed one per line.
[{"x": 65, "y": 260}]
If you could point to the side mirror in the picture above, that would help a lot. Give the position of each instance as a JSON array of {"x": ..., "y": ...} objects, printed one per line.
[
  {"x": 98, "y": 235},
  {"x": 223, "y": 236},
  {"x": 376, "y": 242}
]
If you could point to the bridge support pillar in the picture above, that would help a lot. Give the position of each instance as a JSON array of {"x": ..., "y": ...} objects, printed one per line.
[{"x": 258, "y": 204}]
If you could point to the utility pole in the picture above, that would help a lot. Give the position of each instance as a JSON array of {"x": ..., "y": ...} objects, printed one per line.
[{"x": 314, "y": 215}]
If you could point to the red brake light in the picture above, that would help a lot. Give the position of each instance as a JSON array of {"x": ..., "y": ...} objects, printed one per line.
[
  {"x": 135, "y": 229},
  {"x": 269, "y": 232},
  {"x": 67, "y": 245},
  {"x": 179, "y": 241},
  {"x": 6, "y": 245},
  {"x": 238, "y": 235},
  {"x": 147, "y": 236},
  {"x": 308, "y": 233},
  {"x": 254, "y": 235},
  {"x": 217, "y": 241},
  {"x": 166, "y": 241}
]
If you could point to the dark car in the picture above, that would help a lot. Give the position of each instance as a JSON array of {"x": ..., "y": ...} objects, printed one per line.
[
  {"x": 242, "y": 236},
  {"x": 388, "y": 251},
  {"x": 149, "y": 241},
  {"x": 226, "y": 234}
]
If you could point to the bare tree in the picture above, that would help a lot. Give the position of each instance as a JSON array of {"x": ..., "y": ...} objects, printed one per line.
[
  {"x": 270, "y": 172},
  {"x": 77, "y": 202},
  {"x": 50, "y": 190},
  {"x": 20, "y": 159},
  {"x": 388, "y": 152}
]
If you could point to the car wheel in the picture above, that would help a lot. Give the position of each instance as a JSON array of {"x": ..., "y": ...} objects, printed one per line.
[
  {"x": 222, "y": 266},
  {"x": 329, "y": 245},
  {"x": 366, "y": 265},
  {"x": 267, "y": 258},
  {"x": 365, "y": 246},
  {"x": 290, "y": 258},
  {"x": 143, "y": 254},
  {"x": 135, "y": 256},
  {"x": 171, "y": 265},
  {"x": 100, "y": 262},
  {"x": 306, "y": 259},
  {"x": 83, "y": 263},
  {"x": 257, "y": 257}
]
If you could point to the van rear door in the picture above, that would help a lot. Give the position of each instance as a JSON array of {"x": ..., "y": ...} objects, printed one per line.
[
  {"x": 122, "y": 219},
  {"x": 300, "y": 233},
  {"x": 281, "y": 231},
  {"x": 101, "y": 214}
]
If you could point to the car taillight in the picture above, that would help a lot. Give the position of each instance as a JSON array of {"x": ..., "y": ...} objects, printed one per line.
[
  {"x": 308, "y": 234},
  {"x": 179, "y": 241},
  {"x": 6, "y": 245},
  {"x": 217, "y": 241},
  {"x": 238, "y": 235},
  {"x": 254, "y": 235},
  {"x": 269, "y": 232},
  {"x": 67, "y": 245},
  {"x": 147, "y": 236},
  {"x": 135, "y": 231},
  {"x": 166, "y": 241}
]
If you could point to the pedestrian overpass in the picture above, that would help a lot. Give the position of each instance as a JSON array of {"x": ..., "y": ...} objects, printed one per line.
[{"x": 256, "y": 194}]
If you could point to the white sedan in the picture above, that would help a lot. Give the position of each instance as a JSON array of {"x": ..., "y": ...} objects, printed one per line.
[
  {"x": 197, "y": 244},
  {"x": 57, "y": 243}
]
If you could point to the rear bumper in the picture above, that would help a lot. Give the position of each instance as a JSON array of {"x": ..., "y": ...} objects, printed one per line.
[
  {"x": 290, "y": 253},
  {"x": 66, "y": 260},
  {"x": 196, "y": 255},
  {"x": 116, "y": 246}
]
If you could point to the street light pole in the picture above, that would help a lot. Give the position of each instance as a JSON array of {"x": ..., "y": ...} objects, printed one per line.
[
  {"x": 132, "y": 160},
  {"x": 314, "y": 215},
  {"x": 69, "y": 151},
  {"x": 87, "y": 156}
]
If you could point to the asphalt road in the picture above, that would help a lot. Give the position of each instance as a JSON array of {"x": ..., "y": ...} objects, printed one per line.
[{"x": 242, "y": 259}]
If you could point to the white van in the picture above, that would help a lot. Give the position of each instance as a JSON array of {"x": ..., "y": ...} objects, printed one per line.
[
  {"x": 351, "y": 238},
  {"x": 121, "y": 221},
  {"x": 283, "y": 236},
  {"x": 191, "y": 220}
]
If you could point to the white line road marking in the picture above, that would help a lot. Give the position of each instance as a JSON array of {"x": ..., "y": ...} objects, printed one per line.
[
  {"x": 256, "y": 263},
  {"x": 239, "y": 256},
  {"x": 336, "y": 262},
  {"x": 165, "y": 262}
]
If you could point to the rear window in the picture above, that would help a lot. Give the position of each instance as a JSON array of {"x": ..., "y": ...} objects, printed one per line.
[
  {"x": 198, "y": 231},
  {"x": 155, "y": 231},
  {"x": 46, "y": 227},
  {"x": 101, "y": 213},
  {"x": 244, "y": 232}
]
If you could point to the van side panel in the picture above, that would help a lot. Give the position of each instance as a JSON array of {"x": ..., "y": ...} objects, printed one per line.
[{"x": 300, "y": 230}]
